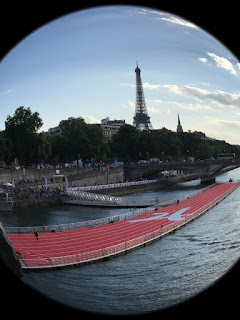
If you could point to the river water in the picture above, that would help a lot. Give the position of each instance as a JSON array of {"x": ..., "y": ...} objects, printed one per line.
[{"x": 157, "y": 276}]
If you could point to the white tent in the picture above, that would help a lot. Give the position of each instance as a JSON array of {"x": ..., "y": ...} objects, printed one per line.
[{"x": 8, "y": 184}]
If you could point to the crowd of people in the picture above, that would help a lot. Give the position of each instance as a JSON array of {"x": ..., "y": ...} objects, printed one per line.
[{"x": 28, "y": 193}]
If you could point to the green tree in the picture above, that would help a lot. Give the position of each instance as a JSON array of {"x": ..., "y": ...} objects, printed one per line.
[
  {"x": 166, "y": 144},
  {"x": 205, "y": 150},
  {"x": 163, "y": 144},
  {"x": 22, "y": 129},
  {"x": 144, "y": 146},
  {"x": 82, "y": 140},
  {"x": 124, "y": 143},
  {"x": 42, "y": 149},
  {"x": 74, "y": 133},
  {"x": 190, "y": 144},
  {"x": 5, "y": 148},
  {"x": 97, "y": 148},
  {"x": 58, "y": 153}
]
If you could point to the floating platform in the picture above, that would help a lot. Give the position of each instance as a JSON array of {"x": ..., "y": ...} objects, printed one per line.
[
  {"x": 83, "y": 198},
  {"x": 84, "y": 245}
]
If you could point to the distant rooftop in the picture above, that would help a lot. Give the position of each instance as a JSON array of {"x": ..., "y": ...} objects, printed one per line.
[{"x": 112, "y": 122}]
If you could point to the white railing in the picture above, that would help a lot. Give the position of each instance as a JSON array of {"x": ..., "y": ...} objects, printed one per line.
[
  {"x": 113, "y": 185},
  {"x": 87, "y": 196},
  {"x": 96, "y": 222}
]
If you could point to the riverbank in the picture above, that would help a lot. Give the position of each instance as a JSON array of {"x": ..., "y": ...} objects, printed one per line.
[
  {"x": 33, "y": 196},
  {"x": 43, "y": 202},
  {"x": 124, "y": 191},
  {"x": 61, "y": 178}
]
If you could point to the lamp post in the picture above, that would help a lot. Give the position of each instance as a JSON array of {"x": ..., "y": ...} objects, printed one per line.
[{"x": 107, "y": 172}]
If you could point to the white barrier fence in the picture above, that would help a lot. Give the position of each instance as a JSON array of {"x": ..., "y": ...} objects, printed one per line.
[
  {"x": 106, "y": 220},
  {"x": 113, "y": 185},
  {"x": 87, "y": 196}
]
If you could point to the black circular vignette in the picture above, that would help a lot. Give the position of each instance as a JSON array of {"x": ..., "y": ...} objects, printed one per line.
[{"x": 17, "y": 21}]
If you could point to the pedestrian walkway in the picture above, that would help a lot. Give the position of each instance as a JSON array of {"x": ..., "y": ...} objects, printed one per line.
[
  {"x": 77, "y": 246},
  {"x": 114, "y": 185},
  {"x": 77, "y": 197}
]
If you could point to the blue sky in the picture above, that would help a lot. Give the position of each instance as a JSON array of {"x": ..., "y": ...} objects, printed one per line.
[{"x": 83, "y": 65}]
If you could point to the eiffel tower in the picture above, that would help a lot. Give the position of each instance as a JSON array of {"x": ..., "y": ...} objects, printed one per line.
[{"x": 141, "y": 120}]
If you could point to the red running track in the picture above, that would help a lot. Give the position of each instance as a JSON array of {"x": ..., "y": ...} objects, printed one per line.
[{"x": 75, "y": 245}]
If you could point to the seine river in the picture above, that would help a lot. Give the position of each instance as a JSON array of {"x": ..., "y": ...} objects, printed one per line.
[{"x": 160, "y": 275}]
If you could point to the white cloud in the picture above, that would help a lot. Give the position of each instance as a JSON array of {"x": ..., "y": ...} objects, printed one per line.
[
  {"x": 204, "y": 60},
  {"x": 154, "y": 101},
  {"x": 228, "y": 123},
  {"x": 131, "y": 104},
  {"x": 150, "y": 108},
  {"x": 203, "y": 97},
  {"x": 153, "y": 110},
  {"x": 158, "y": 13},
  {"x": 128, "y": 85},
  {"x": 222, "y": 62},
  {"x": 6, "y": 92},
  {"x": 238, "y": 65},
  {"x": 165, "y": 106},
  {"x": 188, "y": 106},
  {"x": 173, "y": 88},
  {"x": 193, "y": 107},
  {"x": 169, "y": 18},
  {"x": 221, "y": 98},
  {"x": 91, "y": 119},
  {"x": 180, "y": 22},
  {"x": 147, "y": 85}
]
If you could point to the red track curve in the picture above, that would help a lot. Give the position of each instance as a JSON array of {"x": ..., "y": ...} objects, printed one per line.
[{"x": 78, "y": 242}]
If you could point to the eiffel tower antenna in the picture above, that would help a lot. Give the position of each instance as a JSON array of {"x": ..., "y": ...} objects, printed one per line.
[{"x": 141, "y": 120}]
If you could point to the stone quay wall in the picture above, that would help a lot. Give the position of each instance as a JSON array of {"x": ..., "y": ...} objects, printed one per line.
[{"x": 83, "y": 176}]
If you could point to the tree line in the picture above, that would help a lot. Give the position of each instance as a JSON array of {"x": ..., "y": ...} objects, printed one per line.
[
  {"x": 20, "y": 140},
  {"x": 79, "y": 140},
  {"x": 131, "y": 145}
]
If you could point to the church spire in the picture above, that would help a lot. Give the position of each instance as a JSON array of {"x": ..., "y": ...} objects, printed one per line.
[{"x": 179, "y": 126}]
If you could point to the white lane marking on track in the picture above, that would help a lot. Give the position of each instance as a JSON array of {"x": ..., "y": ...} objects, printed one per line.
[{"x": 162, "y": 215}]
